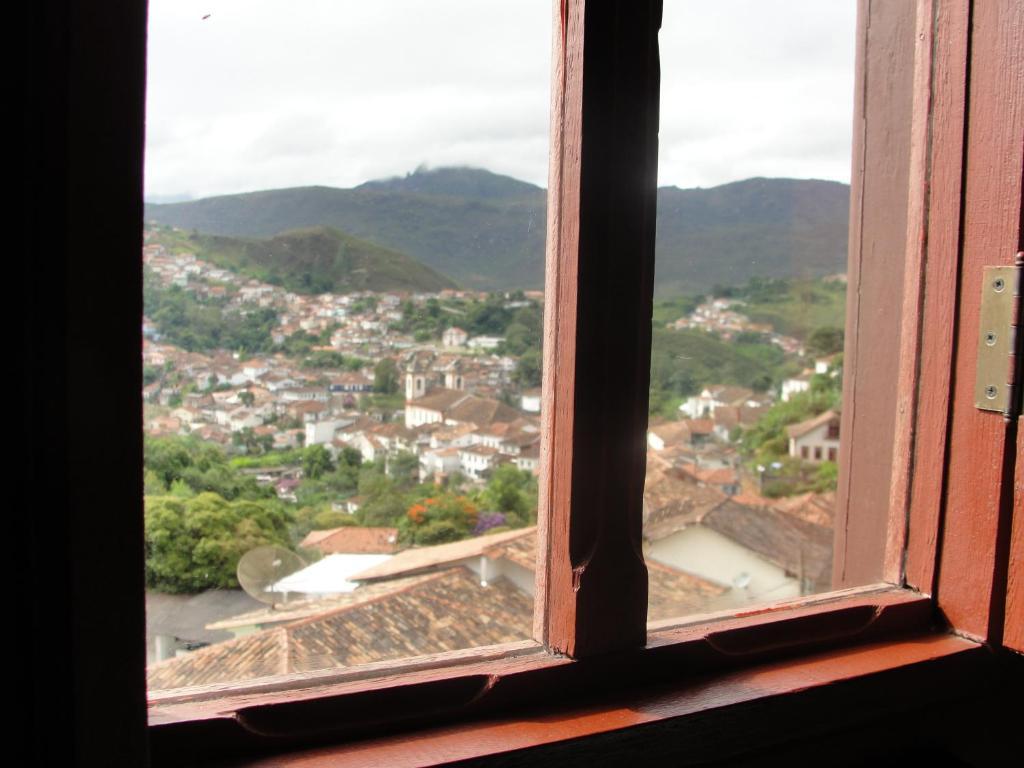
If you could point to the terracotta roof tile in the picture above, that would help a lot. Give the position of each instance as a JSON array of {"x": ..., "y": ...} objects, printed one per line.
[
  {"x": 353, "y": 540},
  {"x": 672, "y": 593},
  {"x": 801, "y": 429},
  {"x": 439, "y": 613},
  {"x": 799, "y": 547},
  {"x": 419, "y": 559},
  {"x": 673, "y": 502}
]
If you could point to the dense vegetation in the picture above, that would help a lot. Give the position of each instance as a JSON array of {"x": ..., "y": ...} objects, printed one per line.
[
  {"x": 793, "y": 307},
  {"x": 194, "y": 543},
  {"x": 683, "y": 362},
  {"x": 317, "y": 260},
  {"x": 204, "y": 325},
  {"x": 202, "y": 514},
  {"x": 487, "y": 231},
  {"x": 511, "y": 316},
  {"x": 766, "y": 444},
  {"x": 203, "y": 511}
]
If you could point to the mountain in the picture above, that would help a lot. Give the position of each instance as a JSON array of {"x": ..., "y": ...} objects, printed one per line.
[
  {"x": 317, "y": 260},
  {"x": 754, "y": 228},
  {"x": 487, "y": 231},
  {"x": 471, "y": 183}
]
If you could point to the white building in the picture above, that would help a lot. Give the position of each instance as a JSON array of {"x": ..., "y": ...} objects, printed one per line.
[
  {"x": 703, "y": 405},
  {"x": 530, "y": 401},
  {"x": 485, "y": 342},
  {"x": 322, "y": 432},
  {"x": 454, "y": 337},
  {"x": 815, "y": 440},
  {"x": 795, "y": 386}
]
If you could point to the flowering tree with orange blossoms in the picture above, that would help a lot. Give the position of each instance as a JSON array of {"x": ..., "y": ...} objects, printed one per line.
[{"x": 437, "y": 519}]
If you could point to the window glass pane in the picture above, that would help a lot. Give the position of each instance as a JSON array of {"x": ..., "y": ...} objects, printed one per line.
[
  {"x": 750, "y": 292},
  {"x": 344, "y": 255}
]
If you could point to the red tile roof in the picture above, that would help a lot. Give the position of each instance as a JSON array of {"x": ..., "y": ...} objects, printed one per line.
[
  {"x": 446, "y": 611},
  {"x": 420, "y": 559},
  {"x": 801, "y": 429},
  {"x": 353, "y": 540}
]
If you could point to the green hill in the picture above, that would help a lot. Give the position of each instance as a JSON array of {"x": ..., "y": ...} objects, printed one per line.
[
  {"x": 316, "y": 260},
  {"x": 788, "y": 228},
  {"x": 487, "y": 231}
]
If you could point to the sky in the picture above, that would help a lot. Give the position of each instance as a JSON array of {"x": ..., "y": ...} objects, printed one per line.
[{"x": 260, "y": 94}]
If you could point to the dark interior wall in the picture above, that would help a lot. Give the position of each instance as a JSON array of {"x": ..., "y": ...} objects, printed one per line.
[{"x": 76, "y": 305}]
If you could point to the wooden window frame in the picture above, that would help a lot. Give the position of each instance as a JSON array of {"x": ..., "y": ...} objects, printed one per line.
[{"x": 926, "y": 113}]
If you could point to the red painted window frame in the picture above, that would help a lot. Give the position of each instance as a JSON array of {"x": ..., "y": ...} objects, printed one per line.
[{"x": 931, "y": 116}]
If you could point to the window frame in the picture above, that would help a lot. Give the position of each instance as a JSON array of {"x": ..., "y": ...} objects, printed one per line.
[
  {"x": 591, "y": 594},
  {"x": 89, "y": 78}
]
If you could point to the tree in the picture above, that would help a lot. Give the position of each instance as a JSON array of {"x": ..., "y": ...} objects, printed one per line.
[
  {"x": 404, "y": 468},
  {"x": 385, "y": 377},
  {"x": 185, "y": 461},
  {"x": 511, "y": 490},
  {"x": 247, "y": 398},
  {"x": 825, "y": 341},
  {"x": 195, "y": 543},
  {"x": 528, "y": 369},
  {"x": 316, "y": 461},
  {"x": 446, "y": 517}
]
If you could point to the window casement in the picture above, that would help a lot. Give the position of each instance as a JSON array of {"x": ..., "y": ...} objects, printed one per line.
[{"x": 926, "y": 500}]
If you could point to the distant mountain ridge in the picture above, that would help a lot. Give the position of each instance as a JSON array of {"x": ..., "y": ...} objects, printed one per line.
[{"x": 486, "y": 231}]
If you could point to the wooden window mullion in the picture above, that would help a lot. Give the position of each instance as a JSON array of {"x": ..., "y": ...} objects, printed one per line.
[
  {"x": 592, "y": 581},
  {"x": 929, "y": 315}
]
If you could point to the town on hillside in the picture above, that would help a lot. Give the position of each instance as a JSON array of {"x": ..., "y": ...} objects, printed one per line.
[{"x": 392, "y": 440}]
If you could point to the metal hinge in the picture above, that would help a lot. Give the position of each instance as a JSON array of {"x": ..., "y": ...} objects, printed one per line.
[{"x": 999, "y": 381}]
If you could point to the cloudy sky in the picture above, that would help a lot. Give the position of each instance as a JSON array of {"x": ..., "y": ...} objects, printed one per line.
[{"x": 258, "y": 94}]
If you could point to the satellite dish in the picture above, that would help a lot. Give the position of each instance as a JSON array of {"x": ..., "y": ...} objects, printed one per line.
[{"x": 260, "y": 569}]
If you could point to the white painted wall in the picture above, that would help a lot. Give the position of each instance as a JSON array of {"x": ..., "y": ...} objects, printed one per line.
[
  {"x": 815, "y": 439},
  {"x": 712, "y": 556}
]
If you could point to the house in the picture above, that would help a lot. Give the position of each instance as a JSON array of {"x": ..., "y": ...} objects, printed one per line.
[
  {"x": 178, "y": 623},
  {"x": 729, "y": 418},
  {"x": 441, "y": 598},
  {"x": 330, "y": 575},
  {"x": 477, "y": 461},
  {"x": 454, "y": 337},
  {"x": 815, "y": 440},
  {"x": 529, "y": 400},
  {"x": 528, "y": 459},
  {"x": 439, "y": 463},
  {"x": 351, "y": 383},
  {"x": 353, "y": 540},
  {"x": 704, "y": 404},
  {"x": 827, "y": 365},
  {"x": 692, "y": 433},
  {"x": 485, "y": 342},
  {"x": 428, "y": 614},
  {"x": 756, "y": 553},
  {"x": 322, "y": 432},
  {"x": 307, "y": 411},
  {"x": 795, "y": 385},
  {"x": 693, "y": 523},
  {"x": 452, "y": 407}
]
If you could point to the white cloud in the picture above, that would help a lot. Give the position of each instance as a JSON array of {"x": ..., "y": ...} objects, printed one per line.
[{"x": 268, "y": 93}]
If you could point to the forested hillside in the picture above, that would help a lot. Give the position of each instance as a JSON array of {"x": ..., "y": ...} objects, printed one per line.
[{"x": 487, "y": 231}]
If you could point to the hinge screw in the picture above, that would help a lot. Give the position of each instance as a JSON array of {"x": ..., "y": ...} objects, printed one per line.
[
  {"x": 990, "y": 338},
  {"x": 998, "y": 285},
  {"x": 991, "y": 391}
]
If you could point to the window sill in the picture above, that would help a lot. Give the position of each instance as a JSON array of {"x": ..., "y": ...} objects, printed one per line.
[
  {"x": 771, "y": 703},
  {"x": 460, "y": 707}
]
